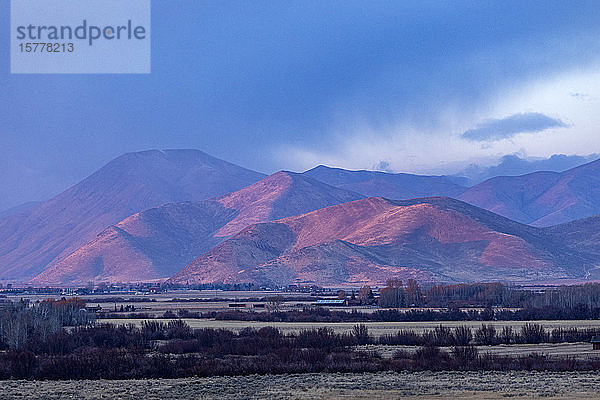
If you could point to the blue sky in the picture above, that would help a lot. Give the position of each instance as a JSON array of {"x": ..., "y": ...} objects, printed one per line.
[{"x": 287, "y": 85}]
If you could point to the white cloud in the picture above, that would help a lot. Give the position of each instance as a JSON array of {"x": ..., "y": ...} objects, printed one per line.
[{"x": 442, "y": 149}]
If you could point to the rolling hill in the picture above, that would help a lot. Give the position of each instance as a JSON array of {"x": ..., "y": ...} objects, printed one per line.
[
  {"x": 158, "y": 242},
  {"x": 370, "y": 240}
]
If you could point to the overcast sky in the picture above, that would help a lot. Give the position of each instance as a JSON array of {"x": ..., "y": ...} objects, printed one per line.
[{"x": 412, "y": 86}]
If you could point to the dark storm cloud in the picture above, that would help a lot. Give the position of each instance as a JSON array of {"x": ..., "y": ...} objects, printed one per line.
[{"x": 497, "y": 129}]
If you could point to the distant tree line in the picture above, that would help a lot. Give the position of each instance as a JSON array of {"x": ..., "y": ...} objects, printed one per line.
[
  {"x": 320, "y": 314},
  {"x": 410, "y": 302},
  {"x": 395, "y": 295}
]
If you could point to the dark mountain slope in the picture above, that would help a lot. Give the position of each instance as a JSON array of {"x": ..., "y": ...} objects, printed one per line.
[{"x": 32, "y": 241}]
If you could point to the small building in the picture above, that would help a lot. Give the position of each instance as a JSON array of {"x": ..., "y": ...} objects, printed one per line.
[
  {"x": 596, "y": 342},
  {"x": 330, "y": 302},
  {"x": 237, "y": 305}
]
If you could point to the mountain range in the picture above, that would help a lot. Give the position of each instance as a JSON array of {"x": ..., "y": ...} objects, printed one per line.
[
  {"x": 541, "y": 198},
  {"x": 187, "y": 216},
  {"x": 515, "y": 165},
  {"x": 158, "y": 242}
]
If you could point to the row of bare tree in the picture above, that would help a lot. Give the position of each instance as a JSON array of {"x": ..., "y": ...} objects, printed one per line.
[
  {"x": 20, "y": 321},
  {"x": 396, "y": 294}
]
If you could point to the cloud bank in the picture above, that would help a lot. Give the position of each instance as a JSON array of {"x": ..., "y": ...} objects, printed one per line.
[
  {"x": 515, "y": 164},
  {"x": 289, "y": 85},
  {"x": 493, "y": 130}
]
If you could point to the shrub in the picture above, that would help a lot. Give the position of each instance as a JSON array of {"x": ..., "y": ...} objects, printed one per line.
[
  {"x": 486, "y": 334},
  {"x": 462, "y": 335},
  {"x": 533, "y": 333}
]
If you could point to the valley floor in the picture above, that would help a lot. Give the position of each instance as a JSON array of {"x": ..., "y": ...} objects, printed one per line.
[{"x": 415, "y": 385}]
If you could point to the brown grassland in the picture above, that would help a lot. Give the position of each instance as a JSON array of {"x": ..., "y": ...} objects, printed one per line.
[{"x": 415, "y": 385}]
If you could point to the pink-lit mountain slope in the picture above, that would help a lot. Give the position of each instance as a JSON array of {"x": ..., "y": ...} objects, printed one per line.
[
  {"x": 541, "y": 198},
  {"x": 371, "y": 240},
  {"x": 158, "y": 242},
  {"x": 34, "y": 240}
]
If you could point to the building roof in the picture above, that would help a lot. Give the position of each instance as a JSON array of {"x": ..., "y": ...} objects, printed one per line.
[
  {"x": 595, "y": 339},
  {"x": 331, "y": 301}
]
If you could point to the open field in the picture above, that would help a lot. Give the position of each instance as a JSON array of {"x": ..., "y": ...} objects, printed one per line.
[
  {"x": 418, "y": 385},
  {"x": 156, "y": 304},
  {"x": 375, "y": 328}
]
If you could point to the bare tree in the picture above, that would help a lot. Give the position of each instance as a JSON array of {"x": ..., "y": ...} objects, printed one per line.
[
  {"x": 274, "y": 302},
  {"x": 365, "y": 295}
]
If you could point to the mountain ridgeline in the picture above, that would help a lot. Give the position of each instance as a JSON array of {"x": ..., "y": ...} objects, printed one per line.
[
  {"x": 188, "y": 217},
  {"x": 541, "y": 198},
  {"x": 388, "y": 185},
  {"x": 368, "y": 241}
]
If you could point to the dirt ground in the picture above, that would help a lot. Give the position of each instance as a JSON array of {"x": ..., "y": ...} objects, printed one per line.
[{"x": 419, "y": 385}]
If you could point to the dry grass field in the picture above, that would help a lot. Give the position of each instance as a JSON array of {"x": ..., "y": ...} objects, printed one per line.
[
  {"x": 579, "y": 350},
  {"x": 204, "y": 301},
  {"x": 375, "y": 328},
  {"x": 418, "y": 385},
  {"x": 156, "y": 304}
]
